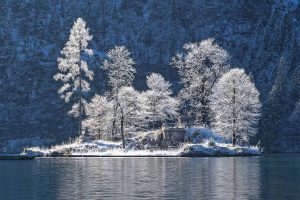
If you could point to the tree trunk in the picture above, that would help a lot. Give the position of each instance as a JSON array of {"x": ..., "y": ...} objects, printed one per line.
[
  {"x": 80, "y": 97},
  {"x": 204, "y": 104},
  {"x": 114, "y": 121},
  {"x": 233, "y": 139},
  {"x": 113, "y": 128},
  {"x": 234, "y": 115},
  {"x": 122, "y": 131},
  {"x": 114, "y": 117},
  {"x": 80, "y": 114},
  {"x": 234, "y": 136}
]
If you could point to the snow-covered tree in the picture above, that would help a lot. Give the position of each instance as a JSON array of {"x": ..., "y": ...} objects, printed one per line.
[
  {"x": 119, "y": 66},
  {"x": 74, "y": 71},
  {"x": 235, "y": 106},
  {"x": 99, "y": 116},
  {"x": 128, "y": 106},
  {"x": 200, "y": 68},
  {"x": 158, "y": 104}
]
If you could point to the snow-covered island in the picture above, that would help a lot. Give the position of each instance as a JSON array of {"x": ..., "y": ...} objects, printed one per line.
[
  {"x": 195, "y": 142},
  {"x": 117, "y": 122}
]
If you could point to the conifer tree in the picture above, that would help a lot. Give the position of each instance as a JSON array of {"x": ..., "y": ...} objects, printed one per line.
[{"x": 74, "y": 71}]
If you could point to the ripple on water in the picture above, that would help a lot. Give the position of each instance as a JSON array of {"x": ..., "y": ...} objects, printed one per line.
[{"x": 275, "y": 177}]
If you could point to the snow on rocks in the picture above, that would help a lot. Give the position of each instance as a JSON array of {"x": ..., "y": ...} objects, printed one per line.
[
  {"x": 204, "y": 150},
  {"x": 133, "y": 144},
  {"x": 198, "y": 135}
]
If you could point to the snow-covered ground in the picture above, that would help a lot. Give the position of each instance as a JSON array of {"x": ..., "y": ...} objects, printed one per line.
[
  {"x": 211, "y": 148},
  {"x": 74, "y": 148},
  {"x": 215, "y": 146},
  {"x": 121, "y": 152}
]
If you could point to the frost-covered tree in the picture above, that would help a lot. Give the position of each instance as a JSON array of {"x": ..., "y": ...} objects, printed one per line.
[
  {"x": 200, "y": 68},
  {"x": 74, "y": 71},
  {"x": 235, "y": 106},
  {"x": 99, "y": 116},
  {"x": 128, "y": 107},
  {"x": 119, "y": 66},
  {"x": 158, "y": 104}
]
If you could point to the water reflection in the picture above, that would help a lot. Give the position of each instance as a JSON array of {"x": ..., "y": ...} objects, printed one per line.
[
  {"x": 280, "y": 175},
  {"x": 151, "y": 178}
]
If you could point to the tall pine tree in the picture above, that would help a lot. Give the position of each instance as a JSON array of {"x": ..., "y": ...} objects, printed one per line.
[{"x": 74, "y": 69}]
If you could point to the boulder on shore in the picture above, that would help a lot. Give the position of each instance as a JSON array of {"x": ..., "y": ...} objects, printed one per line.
[{"x": 200, "y": 150}]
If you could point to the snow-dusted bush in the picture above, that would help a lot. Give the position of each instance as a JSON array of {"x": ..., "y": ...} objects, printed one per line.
[
  {"x": 99, "y": 114},
  {"x": 211, "y": 143}
]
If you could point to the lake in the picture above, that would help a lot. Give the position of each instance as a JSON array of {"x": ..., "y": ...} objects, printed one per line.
[{"x": 266, "y": 177}]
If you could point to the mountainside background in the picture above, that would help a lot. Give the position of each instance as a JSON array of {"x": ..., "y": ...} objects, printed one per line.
[{"x": 261, "y": 36}]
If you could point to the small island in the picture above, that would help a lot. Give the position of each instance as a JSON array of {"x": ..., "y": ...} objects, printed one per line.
[
  {"x": 171, "y": 142},
  {"x": 123, "y": 121}
]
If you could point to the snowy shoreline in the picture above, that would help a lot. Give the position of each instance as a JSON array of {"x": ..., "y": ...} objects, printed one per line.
[
  {"x": 111, "y": 149},
  {"x": 194, "y": 142}
]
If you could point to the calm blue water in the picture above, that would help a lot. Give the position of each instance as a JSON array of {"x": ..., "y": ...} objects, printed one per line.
[{"x": 267, "y": 177}]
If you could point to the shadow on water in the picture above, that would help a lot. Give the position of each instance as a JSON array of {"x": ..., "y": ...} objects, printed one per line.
[
  {"x": 280, "y": 176},
  {"x": 268, "y": 177}
]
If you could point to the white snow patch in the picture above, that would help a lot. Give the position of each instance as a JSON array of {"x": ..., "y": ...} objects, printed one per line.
[
  {"x": 74, "y": 147},
  {"x": 121, "y": 152}
]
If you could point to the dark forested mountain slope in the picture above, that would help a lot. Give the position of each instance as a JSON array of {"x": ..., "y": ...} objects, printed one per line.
[{"x": 257, "y": 35}]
